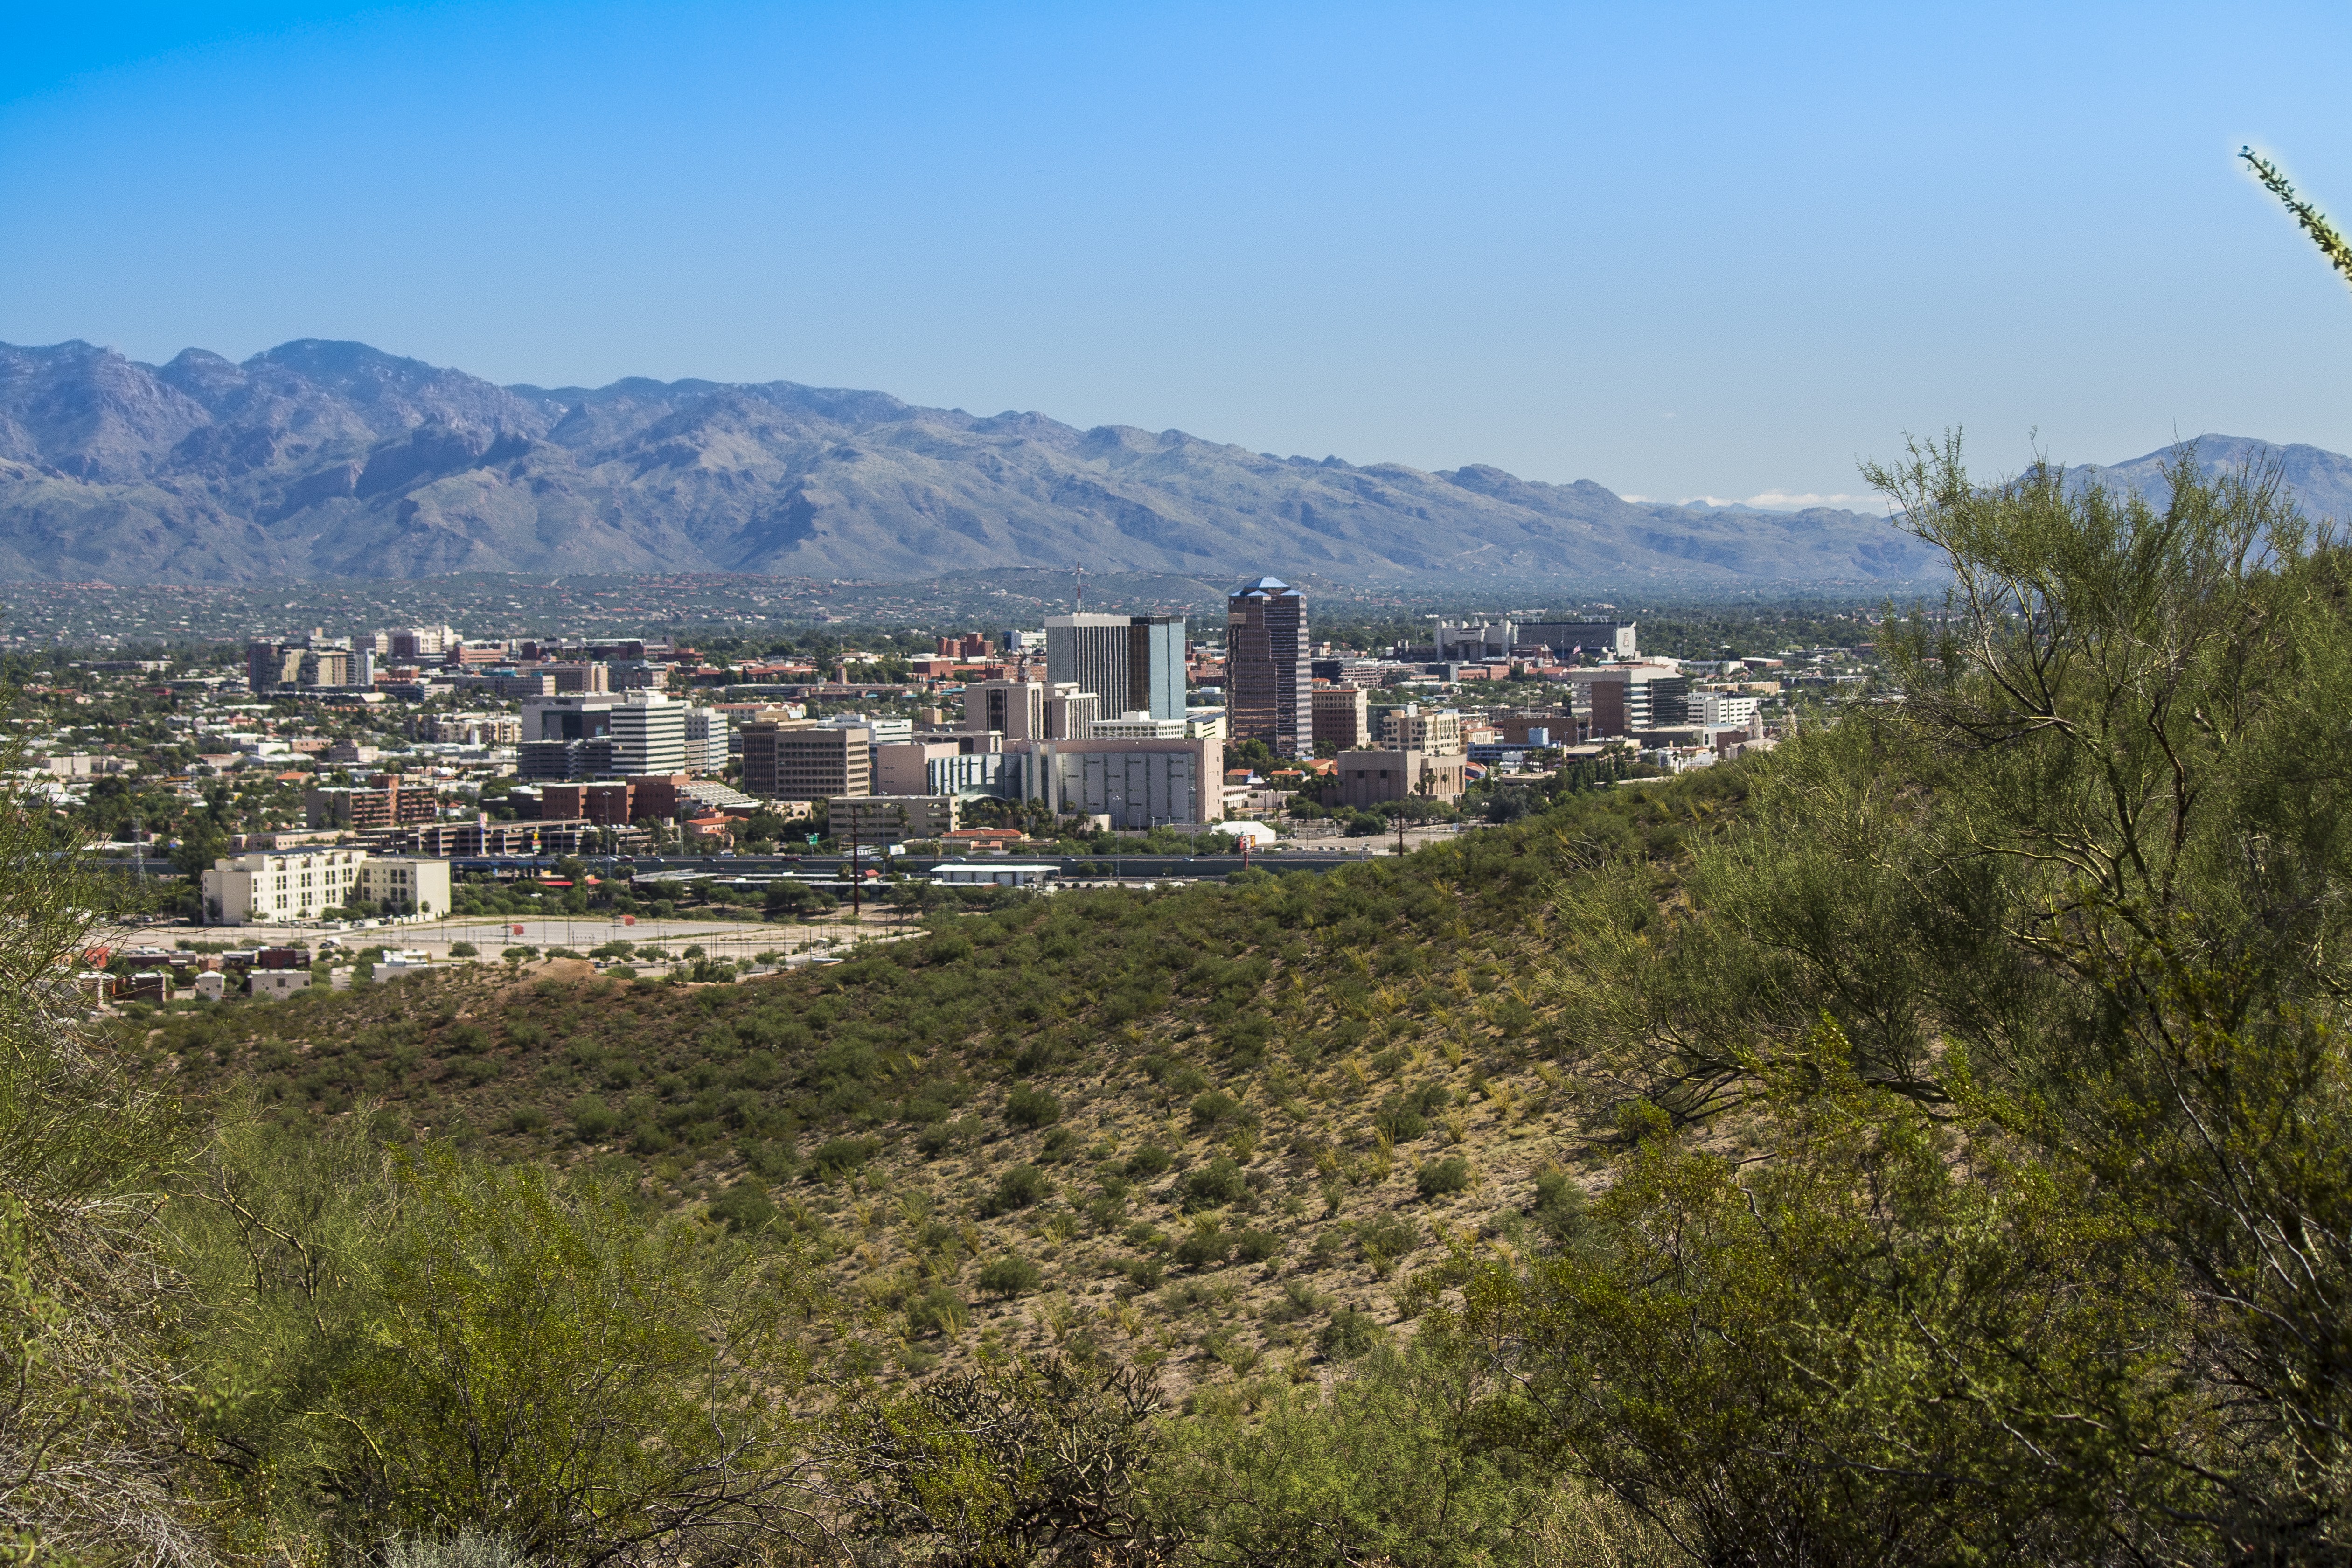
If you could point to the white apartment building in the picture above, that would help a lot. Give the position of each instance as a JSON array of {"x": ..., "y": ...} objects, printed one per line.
[{"x": 262, "y": 887}]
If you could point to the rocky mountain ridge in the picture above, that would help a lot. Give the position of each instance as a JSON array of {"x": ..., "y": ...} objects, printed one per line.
[{"x": 321, "y": 459}]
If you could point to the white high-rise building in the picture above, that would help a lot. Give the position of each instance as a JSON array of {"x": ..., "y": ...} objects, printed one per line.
[{"x": 648, "y": 735}]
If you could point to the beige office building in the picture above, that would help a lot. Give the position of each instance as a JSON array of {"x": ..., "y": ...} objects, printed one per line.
[
  {"x": 796, "y": 760},
  {"x": 1414, "y": 728},
  {"x": 1031, "y": 711},
  {"x": 886, "y": 819},
  {"x": 1371, "y": 778}
]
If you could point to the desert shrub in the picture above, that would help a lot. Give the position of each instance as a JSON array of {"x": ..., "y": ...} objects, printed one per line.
[
  {"x": 1031, "y": 1108},
  {"x": 1298, "y": 1300},
  {"x": 1401, "y": 1119},
  {"x": 1560, "y": 1210},
  {"x": 938, "y": 1139},
  {"x": 1441, "y": 1178},
  {"x": 1009, "y": 1276},
  {"x": 767, "y": 1159},
  {"x": 1148, "y": 1162},
  {"x": 1017, "y": 1189},
  {"x": 938, "y": 1310},
  {"x": 1347, "y": 1335},
  {"x": 840, "y": 1156},
  {"x": 1382, "y": 1241},
  {"x": 1205, "y": 1248},
  {"x": 591, "y": 1117},
  {"x": 1217, "y": 1184},
  {"x": 1257, "y": 1245},
  {"x": 743, "y": 1206},
  {"x": 1214, "y": 1109},
  {"x": 469, "y": 1548}
]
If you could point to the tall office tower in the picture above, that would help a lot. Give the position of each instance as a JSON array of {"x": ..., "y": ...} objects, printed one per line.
[
  {"x": 1130, "y": 663},
  {"x": 648, "y": 733},
  {"x": 1269, "y": 684},
  {"x": 1656, "y": 699},
  {"x": 270, "y": 664}
]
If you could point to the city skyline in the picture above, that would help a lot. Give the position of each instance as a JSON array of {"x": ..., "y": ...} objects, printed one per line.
[{"x": 1690, "y": 255}]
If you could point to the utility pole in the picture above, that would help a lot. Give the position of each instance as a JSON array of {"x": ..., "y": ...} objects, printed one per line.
[{"x": 856, "y": 907}]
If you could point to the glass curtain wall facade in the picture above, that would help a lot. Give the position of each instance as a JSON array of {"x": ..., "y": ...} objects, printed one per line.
[{"x": 1130, "y": 663}]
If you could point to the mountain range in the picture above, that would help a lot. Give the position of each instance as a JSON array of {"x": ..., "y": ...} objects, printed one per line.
[{"x": 323, "y": 459}]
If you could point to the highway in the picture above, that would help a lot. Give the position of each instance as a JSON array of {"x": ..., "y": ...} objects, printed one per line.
[{"x": 1072, "y": 868}]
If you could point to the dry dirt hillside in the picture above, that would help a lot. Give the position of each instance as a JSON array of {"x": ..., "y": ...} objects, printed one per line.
[{"x": 1213, "y": 1129}]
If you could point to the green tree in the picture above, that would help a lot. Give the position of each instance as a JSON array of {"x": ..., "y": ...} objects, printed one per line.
[
  {"x": 2032, "y": 977},
  {"x": 431, "y": 1343},
  {"x": 1004, "y": 1467},
  {"x": 90, "y": 1412},
  {"x": 1391, "y": 1466}
]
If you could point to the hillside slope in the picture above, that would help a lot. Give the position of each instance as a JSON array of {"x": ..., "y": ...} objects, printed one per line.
[
  {"x": 1214, "y": 1122},
  {"x": 332, "y": 459}
]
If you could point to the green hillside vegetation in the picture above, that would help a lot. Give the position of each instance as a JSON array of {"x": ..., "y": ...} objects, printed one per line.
[
  {"x": 1929, "y": 1143},
  {"x": 1197, "y": 1123}
]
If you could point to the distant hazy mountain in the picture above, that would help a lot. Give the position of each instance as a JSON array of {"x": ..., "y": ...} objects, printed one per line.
[
  {"x": 2320, "y": 480},
  {"x": 332, "y": 459}
]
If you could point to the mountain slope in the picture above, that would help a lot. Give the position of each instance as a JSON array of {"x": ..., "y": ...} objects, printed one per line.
[
  {"x": 331, "y": 459},
  {"x": 2320, "y": 480}
]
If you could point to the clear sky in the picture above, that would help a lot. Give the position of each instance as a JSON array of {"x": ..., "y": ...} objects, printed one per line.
[{"x": 1683, "y": 250}]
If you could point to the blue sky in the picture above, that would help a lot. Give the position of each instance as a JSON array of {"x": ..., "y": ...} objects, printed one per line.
[{"x": 1682, "y": 250}]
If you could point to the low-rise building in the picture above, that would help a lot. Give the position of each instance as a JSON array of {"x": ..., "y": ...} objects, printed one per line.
[
  {"x": 1138, "y": 726},
  {"x": 1138, "y": 784},
  {"x": 993, "y": 873},
  {"x": 388, "y": 803},
  {"x": 608, "y": 802},
  {"x": 265, "y": 887},
  {"x": 1369, "y": 778},
  {"x": 277, "y": 985},
  {"x": 880, "y": 817},
  {"x": 480, "y": 839}
]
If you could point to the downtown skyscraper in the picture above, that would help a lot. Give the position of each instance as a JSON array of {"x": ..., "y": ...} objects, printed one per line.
[
  {"x": 1132, "y": 664},
  {"x": 1269, "y": 684}
]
